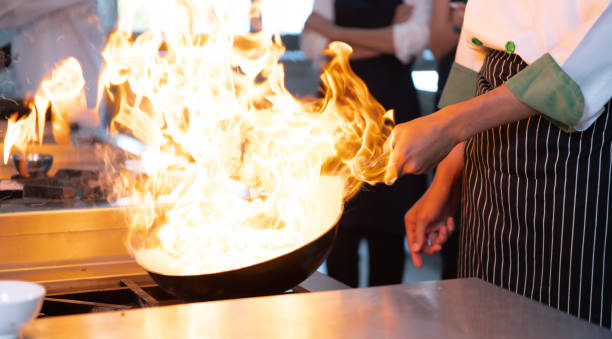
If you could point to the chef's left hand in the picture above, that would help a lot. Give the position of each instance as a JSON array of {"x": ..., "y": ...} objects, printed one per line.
[{"x": 419, "y": 144}]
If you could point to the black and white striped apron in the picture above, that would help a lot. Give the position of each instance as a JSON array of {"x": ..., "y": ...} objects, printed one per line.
[{"x": 536, "y": 207}]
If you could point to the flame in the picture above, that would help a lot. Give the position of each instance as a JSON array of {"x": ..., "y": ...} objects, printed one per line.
[
  {"x": 236, "y": 170},
  {"x": 63, "y": 91}
]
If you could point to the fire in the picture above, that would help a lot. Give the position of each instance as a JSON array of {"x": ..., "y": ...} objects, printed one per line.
[
  {"x": 63, "y": 91},
  {"x": 236, "y": 169}
]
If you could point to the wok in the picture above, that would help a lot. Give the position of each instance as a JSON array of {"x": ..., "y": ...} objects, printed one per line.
[{"x": 274, "y": 276}]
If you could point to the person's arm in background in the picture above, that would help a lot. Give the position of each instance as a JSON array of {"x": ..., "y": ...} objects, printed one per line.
[
  {"x": 407, "y": 36},
  {"x": 446, "y": 20},
  {"x": 313, "y": 42},
  {"x": 376, "y": 40}
]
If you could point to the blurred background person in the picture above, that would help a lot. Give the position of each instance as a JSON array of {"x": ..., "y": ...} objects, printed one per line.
[
  {"x": 445, "y": 26},
  {"x": 386, "y": 36},
  {"x": 43, "y": 33}
]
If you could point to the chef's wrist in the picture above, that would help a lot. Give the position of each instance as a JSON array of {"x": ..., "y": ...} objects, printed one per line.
[{"x": 453, "y": 124}]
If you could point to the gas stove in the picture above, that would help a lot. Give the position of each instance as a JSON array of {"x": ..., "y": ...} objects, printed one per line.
[{"x": 119, "y": 293}]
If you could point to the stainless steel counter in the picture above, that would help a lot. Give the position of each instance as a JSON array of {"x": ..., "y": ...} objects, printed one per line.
[{"x": 443, "y": 309}]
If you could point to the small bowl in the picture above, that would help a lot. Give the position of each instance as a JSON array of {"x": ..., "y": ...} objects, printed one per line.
[
  {"x": 20, "y": 302},
  {"x": 32, "y": 164}
]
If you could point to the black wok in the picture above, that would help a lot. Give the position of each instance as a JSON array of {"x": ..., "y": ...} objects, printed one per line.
[{"x": 274, "y": 276}]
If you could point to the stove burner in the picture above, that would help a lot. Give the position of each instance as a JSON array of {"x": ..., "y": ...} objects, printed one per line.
[
  {"x": 128, "y": 295},
  {"x": 142, "y": 292}
]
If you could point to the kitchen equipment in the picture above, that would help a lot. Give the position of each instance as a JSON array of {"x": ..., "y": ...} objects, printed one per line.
[
  {"x": 270, "y": 277},
  {"x": 20, "y": 302},
  {"x": 32, "y": 164}
]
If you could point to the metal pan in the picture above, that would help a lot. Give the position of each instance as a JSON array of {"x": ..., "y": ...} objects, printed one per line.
[{"x": 274, "y": 276}]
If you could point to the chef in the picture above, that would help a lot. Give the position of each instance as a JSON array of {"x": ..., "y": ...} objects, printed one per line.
[{"x": 523, "y": 142}]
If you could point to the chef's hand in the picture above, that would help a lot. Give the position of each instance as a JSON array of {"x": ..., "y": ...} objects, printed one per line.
[
  {"x": 418, "y": 145},
  {"x": 430, "y": 221}
]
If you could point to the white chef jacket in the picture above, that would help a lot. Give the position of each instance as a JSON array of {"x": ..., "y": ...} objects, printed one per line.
[
  {"x": 409, "y": 38},
  {"x": 48, "y": 32},
  {"x": 565, "y": 42}
]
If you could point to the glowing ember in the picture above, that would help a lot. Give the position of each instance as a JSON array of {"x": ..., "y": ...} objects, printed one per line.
[{"x": 237, "y": 170}]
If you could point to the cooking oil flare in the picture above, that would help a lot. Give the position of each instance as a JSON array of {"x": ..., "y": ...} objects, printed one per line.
[{"x": 236, "y": 170}]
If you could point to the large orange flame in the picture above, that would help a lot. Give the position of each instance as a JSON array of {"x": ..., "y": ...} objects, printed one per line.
[{"x": 236, "y": 169}]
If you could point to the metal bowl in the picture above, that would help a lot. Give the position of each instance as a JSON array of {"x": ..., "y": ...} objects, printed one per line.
[{"x": 32, "y": 164}]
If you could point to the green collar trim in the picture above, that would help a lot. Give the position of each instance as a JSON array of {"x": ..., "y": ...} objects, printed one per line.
[{"x": 460, "y": 86}]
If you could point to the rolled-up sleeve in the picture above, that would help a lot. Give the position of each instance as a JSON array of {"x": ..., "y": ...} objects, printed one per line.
[
  {"x": 462, "y": 80},
  {"x": 411, "y": 37},
  {"x": 572, "y": 82}
]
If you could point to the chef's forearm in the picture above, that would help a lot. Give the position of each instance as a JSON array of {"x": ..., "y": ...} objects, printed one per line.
[{"x": 496, "y": 107}]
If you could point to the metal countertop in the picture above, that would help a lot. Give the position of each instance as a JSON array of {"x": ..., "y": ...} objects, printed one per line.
[{"x": 464, "y": 308}]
